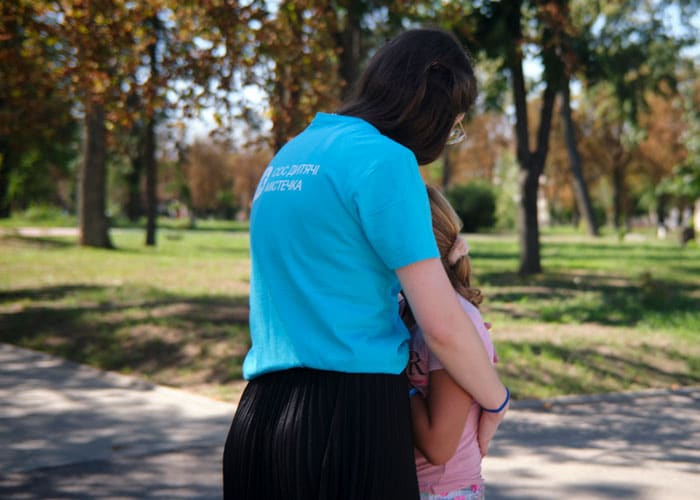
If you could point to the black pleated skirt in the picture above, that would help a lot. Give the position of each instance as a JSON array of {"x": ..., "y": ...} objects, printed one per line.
[{"x": 309, "y": 434}]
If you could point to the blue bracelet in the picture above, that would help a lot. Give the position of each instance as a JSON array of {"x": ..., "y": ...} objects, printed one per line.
[
  {"x": 500, "y": 408},
  {"x": 412, "y": 392}
]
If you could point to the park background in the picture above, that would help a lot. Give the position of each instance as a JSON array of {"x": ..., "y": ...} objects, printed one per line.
[{"x": 132, "y": 135}]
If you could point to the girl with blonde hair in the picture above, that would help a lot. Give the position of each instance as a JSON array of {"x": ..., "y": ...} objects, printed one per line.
[{"x": 451, "y": 434}]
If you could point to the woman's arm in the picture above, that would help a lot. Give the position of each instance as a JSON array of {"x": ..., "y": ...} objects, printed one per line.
[
  {"x": 449, "y": 332},
  {"x": 438, "y": 421}
]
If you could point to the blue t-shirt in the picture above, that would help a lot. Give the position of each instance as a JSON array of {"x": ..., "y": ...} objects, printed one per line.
[{"x": 339, "y": 208}]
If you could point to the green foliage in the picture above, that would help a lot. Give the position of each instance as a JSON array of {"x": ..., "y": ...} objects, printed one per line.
[
  {"x": 45, "y": 173},
  {"x": 506, "y": 189},
  {"x": 631, "y": 53},
  {"x": 562, "y": 214},
  {"x": 475, "y": 203},
  {"x": 684, "y": 185},
  {"x": 43, "y": 214},
  {"x": 599, "y": 214},
  {"x": 39, "y": 215},
  {"x": 685, "y": 182},
  {"x": 226, "y": 204}
]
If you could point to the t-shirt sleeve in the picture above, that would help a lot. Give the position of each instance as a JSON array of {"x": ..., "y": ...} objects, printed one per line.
[
  {"x": 394, "y": 211},
  {"x": 434, "y": 363},
  {"x": 478, "y": 322}
]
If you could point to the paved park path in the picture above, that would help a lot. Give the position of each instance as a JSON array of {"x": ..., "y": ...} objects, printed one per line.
[{"x": 72, "y": 432}]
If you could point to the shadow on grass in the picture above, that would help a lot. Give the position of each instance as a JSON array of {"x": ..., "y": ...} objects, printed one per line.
[
  {"x": 173, "y": 339},
  {"x": 179, "y": 241},
  {"x": 576, "y": 370},
  {"x": 174, "y": 226},
  {"x": 45, "y": 293},
  {"x": 234, "y": 253},
  {"x": 589, "y": 298},
  {"x": 54, "y": 242}
]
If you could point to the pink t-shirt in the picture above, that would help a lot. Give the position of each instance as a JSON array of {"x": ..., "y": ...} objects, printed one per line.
[{"x": 464, "y": 468}]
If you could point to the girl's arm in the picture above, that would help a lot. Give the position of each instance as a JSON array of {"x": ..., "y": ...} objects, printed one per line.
[
  {"x": 449, "y": 332},
  {"x": 438, "y": 421}
]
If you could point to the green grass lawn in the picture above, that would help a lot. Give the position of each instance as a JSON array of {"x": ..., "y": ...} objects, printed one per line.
[{"x": 604, "y": 316}]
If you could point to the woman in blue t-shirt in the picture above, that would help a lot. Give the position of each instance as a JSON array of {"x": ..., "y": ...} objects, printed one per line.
[{"x": 340, "y": 224}]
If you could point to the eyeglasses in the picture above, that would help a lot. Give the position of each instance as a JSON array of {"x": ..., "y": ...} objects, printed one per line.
[{"x": 457, "y": 134}]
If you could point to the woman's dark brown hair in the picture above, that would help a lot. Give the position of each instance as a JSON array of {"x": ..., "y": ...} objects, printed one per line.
[{"x": 413, "y": 90}]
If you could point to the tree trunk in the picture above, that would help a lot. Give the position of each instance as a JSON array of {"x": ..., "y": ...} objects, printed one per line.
[
  {"x": 528, "y": 224},
  {"x": 620, "y": 159},
  {"x": 661, "y": 210},
  {"x": 350, "y": 41},
  {"x": 134, "y": 204},
  {"x": 531, "y": 163},
  {"x": 583, "y": 199},
  {"x": 288, "y": 120},
  {"x": 7, "y": 159},
  {"x": 151, "y": 182},
  {"x": 149, "y": 148},
  {"x": 618, "y": 176},
  {"x": 280, "y": 117},
  {"x": 10, "y": 46},
  {"x": 94, "y": 225}
]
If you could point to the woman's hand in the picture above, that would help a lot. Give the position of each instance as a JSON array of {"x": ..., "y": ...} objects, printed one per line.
[
  {"x": 488, "y": 425},
  {"x": 449, "y": 332}
]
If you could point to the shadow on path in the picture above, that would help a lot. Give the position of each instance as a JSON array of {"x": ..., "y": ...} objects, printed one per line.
[
  {"x": 70, "y": 431},
  {"x": 634, "y": 445}
]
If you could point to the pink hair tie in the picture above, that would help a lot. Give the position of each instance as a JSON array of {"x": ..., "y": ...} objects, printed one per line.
[{"x": 459, "y": 249}]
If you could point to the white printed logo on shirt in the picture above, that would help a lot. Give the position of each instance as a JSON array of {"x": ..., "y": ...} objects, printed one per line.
[{"x": 280, "y": 178}]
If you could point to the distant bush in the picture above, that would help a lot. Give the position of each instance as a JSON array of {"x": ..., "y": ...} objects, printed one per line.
[
  {"x": 44, "y": 213},
  {"x": 560, "y": 214},
  {"x": 475, "y": 203},
  {"x": 599, "y": 214},
  {"x": 506, "y": 209},
  {"x": 39, "y": 215}
]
